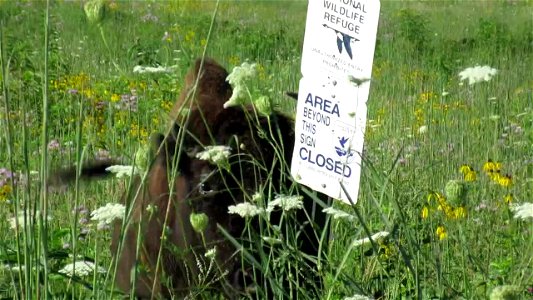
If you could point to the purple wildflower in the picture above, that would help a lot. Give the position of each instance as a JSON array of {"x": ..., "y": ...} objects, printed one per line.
[
  {"x": 5, "y": 173},
  {"x": 53, "y": 145}
]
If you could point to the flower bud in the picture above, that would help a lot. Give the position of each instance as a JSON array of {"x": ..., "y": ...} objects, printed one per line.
[
  {"x": 455, "y": 191},
  {"x": 199, "y": 221},
  {"x": 95, "y": 11}
]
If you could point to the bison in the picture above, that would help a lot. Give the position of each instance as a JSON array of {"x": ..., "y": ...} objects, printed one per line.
[{"x": 157, "y": 250}]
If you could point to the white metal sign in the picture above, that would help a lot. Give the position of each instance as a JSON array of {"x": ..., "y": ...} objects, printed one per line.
[{"x": 337, "y": 60}]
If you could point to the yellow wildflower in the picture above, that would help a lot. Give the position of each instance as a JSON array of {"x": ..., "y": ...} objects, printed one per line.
[
  {"x": 491, "y": 167},
  {"x": 441, "y": 232},
  {"x": 5, "y": 191},
  {"x": 234, "y": 60},
  {"x": 425, "y": 97},
  {"x": 505, "y": 180},
  {"x": 459, "y": 212},
  {"x": 425, "y": 212},
  {"x": 115, "y": 98},
  {"x": 166, "y": 105},
  {"x": 508, "y": 199},
  {"x": 469, "y": 174},
  {"x": 386, "y": 250}
]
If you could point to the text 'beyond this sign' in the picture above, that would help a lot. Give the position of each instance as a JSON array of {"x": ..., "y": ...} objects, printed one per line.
[{"x": 340, "y": 37}]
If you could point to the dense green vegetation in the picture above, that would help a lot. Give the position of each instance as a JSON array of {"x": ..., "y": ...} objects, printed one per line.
[{"x": 444, "y": 160}]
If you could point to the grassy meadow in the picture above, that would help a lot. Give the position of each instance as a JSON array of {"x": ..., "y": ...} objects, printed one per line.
[{"x": 445, "y": 161}]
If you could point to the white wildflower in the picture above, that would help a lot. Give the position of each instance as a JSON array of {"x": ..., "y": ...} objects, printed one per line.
[
  {"x": 423, "y": 129},
  {"x": 215, "y": 154},
  {"x": 160, "y": 69},
  {"x": 20, "y": 219},
  {"x": 237, "y": 79},
  {"x": 81, "y": 268},
  {"x": 241, "y": 73},
  {"x": 105, "y": 215},
  {"x": 286, "y": 203},
  {"x": 338, "y": 214},
  {"x": 477, "y": 74},
  {"x": 271, "y": 240},
  {"x": 245, "y": 209},
  {"x": 444, "y": 93},
  {"x": 522, "y": 211},
  {"x": 375, "y": 237},
  {"x": 238, "y": 96},
  {"x": 494, "y": 117},
  {"x": 122, "y": 171},
  {"x": 358, "y": 297},
  {"x": 211, "y": 253}
]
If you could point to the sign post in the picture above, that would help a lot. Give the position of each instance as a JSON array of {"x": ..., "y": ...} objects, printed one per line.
[{"x": 340, "y": 38}]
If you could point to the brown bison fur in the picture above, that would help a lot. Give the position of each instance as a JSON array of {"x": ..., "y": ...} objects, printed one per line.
[
  {"x": 205, "y": 90},
  {"x": 174, "y": 200},
  {"x": 261, "y": 153}
]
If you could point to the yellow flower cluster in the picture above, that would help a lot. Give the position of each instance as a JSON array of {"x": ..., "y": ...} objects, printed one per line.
[
  {"x": 78, "y": 82},
  {"x": 469, "y": 174},
  {"x": 5, "y": 192},
  {"x": 436, "y": 199},
  {"x": 493, "y": 171},
  {"x": 441, "y": 232}
]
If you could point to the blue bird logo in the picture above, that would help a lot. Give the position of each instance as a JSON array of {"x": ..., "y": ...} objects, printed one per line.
[
  {"x": 341, "y": 151},
  {"x": 343, "y": 41}
]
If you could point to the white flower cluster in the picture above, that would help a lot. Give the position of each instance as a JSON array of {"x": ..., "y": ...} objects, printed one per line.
[
  {"x": 215, "y": 154},
  {"x": 160, "y": 69},
  {"x": 338, "y": 214},
  {"x": 122, "y": 171},
  {"x": 81, "y": 268},
  {"x": 105, "y": 215},
  {"x": 522, "y": 211},
  {"x": 477, "y": 74},
  {"x": 358, "y": 297},
  {"x": 286, "y": 203},
  {"x": 245, "y": 209},
  {"x": 241, "y": 73},
  {"x": 237, "y": 80},
  {"x": 375, "y": 237}
]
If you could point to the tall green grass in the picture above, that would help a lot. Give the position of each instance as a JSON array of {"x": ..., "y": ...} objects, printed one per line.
[{"x": 421, "y": 48}]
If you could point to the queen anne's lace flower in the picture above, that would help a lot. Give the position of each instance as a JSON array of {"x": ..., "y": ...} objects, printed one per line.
[
  {"x": 160, "y": 69},
  {"x": 241, "y": 73},
  {"x": 215, "y": 154},
  {"x": 245, "y": 209},
  {"x": 477, "y": 74},
  {"x": 237, "y": 80},
  {"x": 122, "y": 171},
  {"x": 358, "y": 297},
  {"x": 522, "y": 211},
  {"x": 338, "y": 214},
  {"x": 375, "y": 237},
  {"x": 105, "y": 215},
  {"x": 81, "y": 268},
  {"x": 286, "y": 203}
]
